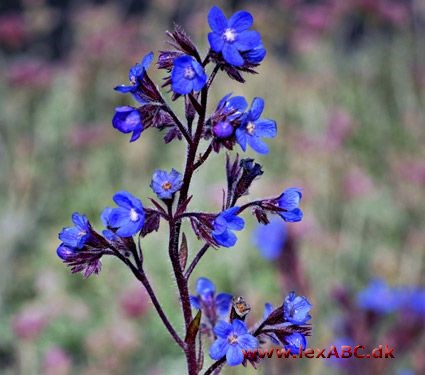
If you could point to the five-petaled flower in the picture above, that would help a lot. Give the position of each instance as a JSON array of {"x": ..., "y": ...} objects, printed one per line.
[
  {"x": 208, "y": 301},
  {"x": 252, "y": 128},
  {"x": 223, "y": 225},
  {"x": 79, "y": 234},
  {"x": 135, "y": 76},
  {"x": 231, "y": 37},
  {"x": 289, "y": 201},
  {"x": 187, "y": 75},
  {"x": 166, "y": 184},
  {"x": 127, "y": 119},
  {"x": 128, "y": 218},
  {"x": 231, "y": 340},
  {"x": 296, "y": 309}
]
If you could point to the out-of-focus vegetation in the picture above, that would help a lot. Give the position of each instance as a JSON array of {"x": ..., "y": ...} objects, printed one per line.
[{"x": 345, "y": 81}]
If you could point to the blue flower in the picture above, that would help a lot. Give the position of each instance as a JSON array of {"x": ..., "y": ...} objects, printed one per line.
[
  {"x": 296, "y": 309},
  {"x": 294, "y": 342},
  {"x": 187, "y": 75},
  {"x": 127, "y": 119},
  {"x": 270, "y": 239},
  {"x": 289, "y": 200},
  {"x": 78, "y": 235},
  {"x": 206, "y": 298},
  {"x": 128, "y": 218},
  {"x": 223, "y": 225},
  {"x": 378, "y": 297},
  {"x": 65, "y": 252},
  {"x": 135, "y": 76},
  {"x": 252, "y": 128},
  {"x": 231, "y": 340},
  {"x": 166, "y": 184},
  {"x": 231, "y": 37}
]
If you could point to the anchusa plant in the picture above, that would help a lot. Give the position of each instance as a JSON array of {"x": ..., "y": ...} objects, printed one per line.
[{"x": 235, "y": 49}]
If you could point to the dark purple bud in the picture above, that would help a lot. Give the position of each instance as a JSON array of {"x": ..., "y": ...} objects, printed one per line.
[
  {"x": 250, "y": 171},
  {"x": 181, "y": 41}
]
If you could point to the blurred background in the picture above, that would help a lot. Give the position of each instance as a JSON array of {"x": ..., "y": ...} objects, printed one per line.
[{"x": 345, "y": 81}]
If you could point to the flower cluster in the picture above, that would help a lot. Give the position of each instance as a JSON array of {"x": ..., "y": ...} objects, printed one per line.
[
  {"x": 235, "y": 49},
  {"x": 286, "y": 325}
]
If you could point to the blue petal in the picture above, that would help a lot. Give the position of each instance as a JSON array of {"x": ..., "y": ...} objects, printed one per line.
[
  {"x": 217, "y": 20},
  {"x": 257, "y": 144},
  {"x": 241, "y": 138},
  {"x": 290, "y": 198},
  {"x": 295, "y": 341},
  {"x": 235, "y": 223},
  {"x": 222, "y": 329},
  {"x": 125, "y": 199},
  {"x": 247, "y": 342},
  {"x": 234, "y": 355},
  {"x": 147, "y": 60},
  {"x": 226, "y": 239},
  {"x": 265, "y": 128},
  {"x": 104, "y": 216},
  {"x": 232, "y": 55},
  {"x": 239, "y": 327},
  {"x": 199, "y": 82},
  {"x": 270, "y": 239},
  {"x": 131, "y": 228},
  {"x": 293, "y": 216},
  {"x": 204, "y": 286},
  {"x": 219, "y": 348},
  {"x": 182, "y": 86},
  {"x": 222, "y": 303},
  {"x": 247, "y": 40},
  {"x": 256, "y": 55},
  {"x": 216, "y": 41},
  {"x": 220, "y": 224},
  {"x": 80, "y": 221},
  {"x": 64, "y": 252},
  {"x": 237, "y": 102},
  {"x": 124, "y": 89},
  {"x": 194, "y": 302},
  {"x": 256, "y": 110},
  {"x": 119, "y": 217},
  {"x": 268, "y": 308},
  {"x": 136, "y": 133},
  {"x": 241, "y": 21}
]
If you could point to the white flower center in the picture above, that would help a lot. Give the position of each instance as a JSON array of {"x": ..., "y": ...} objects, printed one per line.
[
  {"x": 250, "y": 127},
  {"x": 134, "y": 216},
  {"x": 189, "y": 73},
  {"x": 229, "y": 35}
]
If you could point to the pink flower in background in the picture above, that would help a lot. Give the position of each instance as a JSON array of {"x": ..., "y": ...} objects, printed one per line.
[
  {"x": 357, "y": 183},
  {"x": 29, "y": 323},
  {"x": 134, "y": 302},
  {"x": 12, "y": 30},
  {"x": 56, "y": 362},
  {"x": 340, "y": 127},
  {"x": 30, "y": 73}
]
